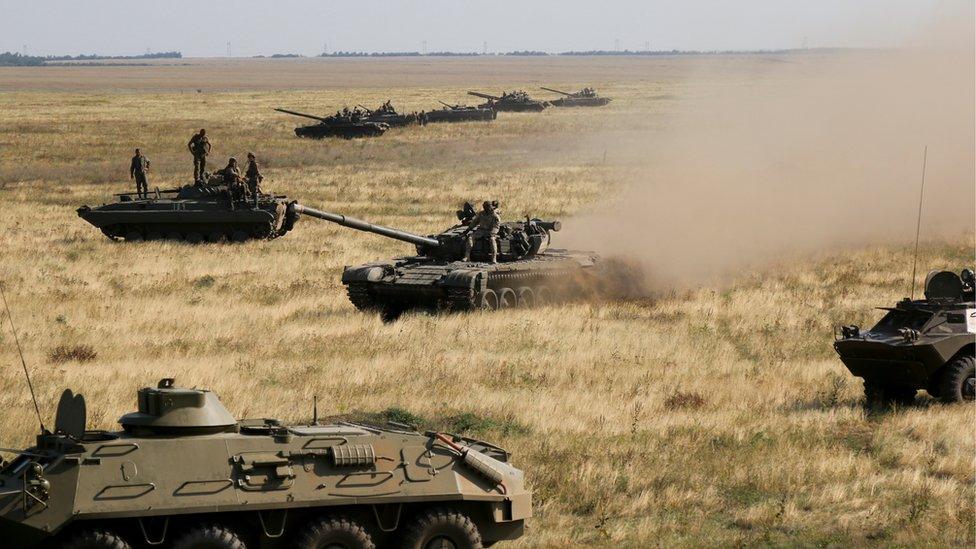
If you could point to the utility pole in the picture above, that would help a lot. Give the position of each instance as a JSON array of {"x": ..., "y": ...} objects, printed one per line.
[
  {"x": 325, "y": 48},
  {"x": 424, "y": 44},
  {"x": 616, "y": 44},
  {"x": 647, "y": 46},
  {"x": 228, "y": 50},
  {"x": 484, "y": 48}
]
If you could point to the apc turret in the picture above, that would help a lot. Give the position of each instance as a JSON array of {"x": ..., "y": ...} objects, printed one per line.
[
  {"x": 438, "y": 278},
  {"x": 918, "y": 344},
  {"x": 183, "y": 474}
]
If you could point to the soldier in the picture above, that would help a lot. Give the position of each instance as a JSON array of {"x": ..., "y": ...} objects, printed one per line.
[
  {"x": 199, "y": 147},
  {"x": 231, "y": 173},
  {"x": 253, "y": 177},
  {"x": 137, "y": 170},
  {"x": 485, "y": 226}
]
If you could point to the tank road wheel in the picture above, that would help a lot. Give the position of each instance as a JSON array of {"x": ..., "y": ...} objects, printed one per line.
[
  {"x": 210, "y": 536},
  {"x": 96, "y": 539},
  {"x": 238, "y": 236},
  {"x": 489, "y": 300},
  {"x": 215, "y": 236},
  {"x": 958, "y": 383},
  {"x": 391, "y": 313},
  {"x": 442, "y": 529},
  {"x": 153, "y": 234},
  {"x": 174, "y": 236},
  {"x": 194, "y": 238},
  {"x": 543, "y": 296},
  {"x": 335, "y": 533},
  {"x": 526, "y": 297},
  {"x": 132, "y": 235},
  {"x": 877, "y": 395},
  {"x": 507, "y": 298}
]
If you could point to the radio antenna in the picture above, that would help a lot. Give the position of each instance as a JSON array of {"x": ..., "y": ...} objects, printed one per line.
[
  {"x": 918, "y": 224},
  {"x": 23, "y": 362}
]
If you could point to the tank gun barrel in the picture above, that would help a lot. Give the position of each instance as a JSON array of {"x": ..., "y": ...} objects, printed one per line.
[
  {"x": 361, "y": 225},
  {"x": 484, "y": 95},
  {"x": 445, "y": 104},
  {"x": 367, "y": 109},
  {"x": 312, "y": 116},
  {"x": 556, "y": 91}
]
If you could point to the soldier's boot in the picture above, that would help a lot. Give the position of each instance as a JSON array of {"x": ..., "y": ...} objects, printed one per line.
[{"x": 468, "y": 243}]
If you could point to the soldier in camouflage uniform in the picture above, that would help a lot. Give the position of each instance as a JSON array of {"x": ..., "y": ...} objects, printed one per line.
[
  {"x": 485, "y": 226},
  {"x": 199, "y": 147},
  {"x": 253, "y": 178},
  {"x": 137, "y": 170}
]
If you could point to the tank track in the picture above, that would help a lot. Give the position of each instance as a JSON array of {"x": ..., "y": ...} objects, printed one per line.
[
  {"x": 361, "y": 298},
  {"x": 461, "y": 299},
  {"x": 190, "y": 232}
]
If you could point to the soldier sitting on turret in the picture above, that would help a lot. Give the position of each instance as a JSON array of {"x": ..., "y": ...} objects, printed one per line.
[{"x": 484, "y": 226}]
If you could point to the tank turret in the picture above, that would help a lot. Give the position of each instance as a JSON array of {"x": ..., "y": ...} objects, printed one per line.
[
  {"x": 170, "y": 410},
  {"x": 587, "y": 97},
  {"x": 516, "y": 101},
  {"x": 516, "y": 239}
]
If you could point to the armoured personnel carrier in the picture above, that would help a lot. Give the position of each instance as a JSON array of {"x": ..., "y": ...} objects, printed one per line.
[
  {"x": 527, "y": 271},
  {"x": 211, "y": 212},
  {"x": 346, "y": 125},
  {"x": 516, "y": 101},
  {"x": 183, "y": 473},
  {"x": 587, "y": 97},
  {"x": 460, "y": 113},
  {"x": 918, "y": 344}
]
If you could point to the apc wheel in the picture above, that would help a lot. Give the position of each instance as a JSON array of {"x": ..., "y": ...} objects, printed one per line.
[
  {"x": 133, "y": 236},
  {"x": 489, "y": 300},
  {"x": 335, "y": 533},
  {"x": 96, "y": 539},
  {"x": 238, "y": 236},
  {"x": 507, "y": 298},
  {"x": 877, "y": 395},
  {"x": 442, "y": 529},
  {"x": 958, "y": 382},
  {"x": 210, "y": 536},
  {"x": 526, "y": 297},
  {"x": 194, "y": 238}
]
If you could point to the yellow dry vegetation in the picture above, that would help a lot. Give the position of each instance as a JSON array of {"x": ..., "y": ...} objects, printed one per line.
[{"x": 712, "y": 416}]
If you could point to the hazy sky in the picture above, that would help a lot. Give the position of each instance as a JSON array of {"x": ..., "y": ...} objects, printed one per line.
[{"x": 254, "y": 27}]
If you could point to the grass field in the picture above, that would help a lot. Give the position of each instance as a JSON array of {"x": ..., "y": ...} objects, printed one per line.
[{"x": 714, "y": 415}]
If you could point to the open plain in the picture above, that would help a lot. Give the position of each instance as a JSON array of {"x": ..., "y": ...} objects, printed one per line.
[{"x": 706, "y": 414}]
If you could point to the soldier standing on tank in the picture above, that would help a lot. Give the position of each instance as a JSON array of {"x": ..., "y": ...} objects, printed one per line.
[
  {"x": 253, "y": 178},
  {"x": 485, "y": 226},
  {"x": 137, "y": 170},
  {"x": 199, "y": 147}
]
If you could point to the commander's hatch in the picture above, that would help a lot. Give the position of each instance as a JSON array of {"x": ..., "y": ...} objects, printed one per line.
[{"x": 71, "y": 415}]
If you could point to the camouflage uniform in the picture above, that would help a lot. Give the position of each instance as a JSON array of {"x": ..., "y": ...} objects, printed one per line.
[
  {"x": 485, "y": 226},
  {"x": 137, "y": 170},
  {"x": 253, "y": 177},
  {"x": 199, "y": 147}
]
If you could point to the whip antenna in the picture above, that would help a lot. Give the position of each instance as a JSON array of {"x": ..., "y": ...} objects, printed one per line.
[
  {"x": 918, "y": 225},
  {"x": 23, "y": 362}
]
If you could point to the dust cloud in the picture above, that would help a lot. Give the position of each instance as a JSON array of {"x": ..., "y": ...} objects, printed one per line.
[{"x": 806, "y": 153}]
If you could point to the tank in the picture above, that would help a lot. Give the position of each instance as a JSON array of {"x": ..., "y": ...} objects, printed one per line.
[
  {"x": 587, "y": 97},
  {"x": 183, "y": 473},
  {"x": 348, "y": 125},
  {"x": 527, "y": 272},
  {"x": 516, "y": 101},
  {"x": 460, "y": 113},
  {"x": 210, "y": 212},
  {"x": 388, "y": 115},
  {"x": 925, "y": 344}
]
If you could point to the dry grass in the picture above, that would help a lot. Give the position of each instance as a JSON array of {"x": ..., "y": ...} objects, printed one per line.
[{"x": 715, "y": 416}]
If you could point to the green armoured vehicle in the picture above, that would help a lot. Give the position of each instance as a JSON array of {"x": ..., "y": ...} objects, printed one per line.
[
  {"x": 183, "y": 473},
  {"x": 347, "y": 125},
  {"x": 515, "y": 101},
  {"x": 587, "y": 97},
  {"x": 918, "y": 344},
  {"x": 195, "y": 213},
  {"x": 460, "y": 113},
  {"x": 527, "y": 272}
]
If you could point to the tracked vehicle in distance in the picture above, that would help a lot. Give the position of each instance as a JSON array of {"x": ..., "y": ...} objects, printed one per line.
[
  {"x": 183, "y": 473},
  {"x": 918, "y": 344},
  {"x": 387, "y": 114},
  {"x": 347, "y": 125},
  {"x": 460, "y": 113},
  {"x": 516, "y": 101},
  {"x": 587, "y": 97},
  {"x": 194, "y": 213},
  {"x": 527, "y": 271}
]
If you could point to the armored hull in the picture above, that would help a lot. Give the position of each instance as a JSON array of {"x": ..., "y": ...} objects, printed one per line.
[
  {"x": 398, "y": 285},
  {"x": 255, "y": 483},
  {"x": 580, "y": 102},
  {"x": 923, "y": 344},
  {"x": 194, "y": 213},
  {"x": 345, "y": 130},
  {"x": 461, "y": 114},
  {"x": 517, "y": 101}
]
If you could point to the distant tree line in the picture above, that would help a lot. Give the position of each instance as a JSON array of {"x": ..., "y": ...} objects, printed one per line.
[
  {"x": 8, "y": 59},
  {"x": 584, "y": 53}
]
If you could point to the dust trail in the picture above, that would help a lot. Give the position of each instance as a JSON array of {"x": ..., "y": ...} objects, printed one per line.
[{"x": 814, "y": 154}]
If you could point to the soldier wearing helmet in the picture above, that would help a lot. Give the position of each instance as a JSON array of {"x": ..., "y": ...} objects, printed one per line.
[{"x": 484, "y": 226}]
